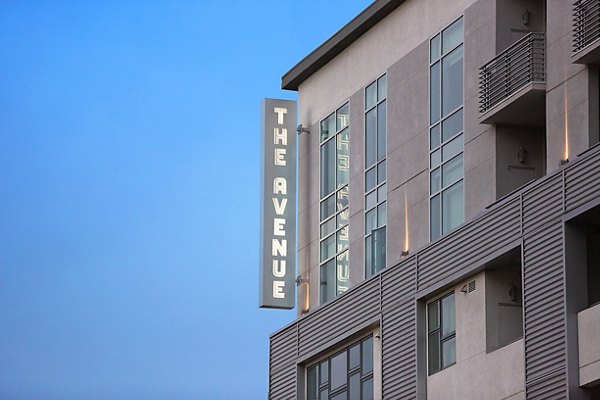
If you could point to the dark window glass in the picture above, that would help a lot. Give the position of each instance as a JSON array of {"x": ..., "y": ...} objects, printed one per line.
[
  {"x": 354, "y": 387},
  {"x": 381, "y": 172},
  {"x": 435, "y": 211},
  {"x": 452, "y": 81},
  {"x": 452, "y": 125},
  {"x": 378, "y": 249},
  {"x": 327, "y": 168},
  {"x": 434, "y": 352},
  {"x": 381, "y": 130},
  {"x": 433, "y": 316},
  {"x": 452, "y": 207},
  {"x": 367, "y": 389},
  {"x": 354, "y": 359},
  {"x": 311, "y": 383},
  {"x": 370, "y": 138},
  {"x": 327, "y": 127},
  {"x": 340, "y": 396},
  {"x": 328, "y": 287},
  {"x": 448, "y": 315},
  {"x": 367, "y": 355},
  {"x": 448, "y": 352},
  {"x": 434, "y": 92},
  {"x": 347, "y": 374},
  {"x": 343, "y": 158},
  {"x": 435, "y": 137},
  {"x": 435, "y": 48},
  {"x": 339, "y": 371},
  {"x": 324, "y": 372},
  {"x": 327, "y": 207},
  {"x": 343, "y": 117},
  {"x": 371, "y": 179},
  {"x": 441, "y": 329},
  {"x": 452, "y": 36},
  {"x": 370, "y": 96},
  {"x": 382, "y": 88}
]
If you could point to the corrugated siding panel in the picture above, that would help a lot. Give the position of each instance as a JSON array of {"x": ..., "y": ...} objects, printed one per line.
[
  {"x": 468, "y": 246},
  {"x": 542, "y": 204},
  {"x": 399, "y": 353},
  {"x": 398, "y": 282},
  {"x": 398, "y": 330},
  {"x": 282, "y": 364},
  {"x": 550, "y": 388},
  {"x": 543, "y": 294},
  {"x": 345, "y": 314},
  {"x": 581, "y": 182}
]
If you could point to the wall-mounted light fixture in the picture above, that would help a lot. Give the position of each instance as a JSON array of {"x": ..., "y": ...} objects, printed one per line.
[
  {"x": 304, "y": 294},
  {"x": 300, "y": 129},
  {"x": 525, "y": 17}
]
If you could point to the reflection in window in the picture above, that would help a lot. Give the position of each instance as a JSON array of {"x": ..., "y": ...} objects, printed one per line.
[
  {"x": 375, "y": 175},
  {"x": 334, "y": 214},
  {"x": 441, "y": 333},
  {"x": 446, "y": 144},
  {"x": 347, "y": 374}
]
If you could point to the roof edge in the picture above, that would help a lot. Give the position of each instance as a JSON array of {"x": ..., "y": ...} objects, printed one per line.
[{"x": 337, "y": 43}]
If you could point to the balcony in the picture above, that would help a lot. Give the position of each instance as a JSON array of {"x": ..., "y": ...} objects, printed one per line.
[
  {"x": 512, "y": 88},
  {"x": 586, "y": 32},
  {"x": 588, "y": 322}
]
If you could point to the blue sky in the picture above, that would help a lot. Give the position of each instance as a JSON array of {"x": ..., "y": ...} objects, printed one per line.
[{"x": 129, "y": 192}]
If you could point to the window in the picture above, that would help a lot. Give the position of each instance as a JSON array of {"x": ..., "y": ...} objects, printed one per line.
[
  {"x": 347, "y": 375},
  {"x": 375, "y": 175},
  {"x": 334, "y": 214},
  {"x": 446, "y": 142},
  {"x": 441, "y": 333}
]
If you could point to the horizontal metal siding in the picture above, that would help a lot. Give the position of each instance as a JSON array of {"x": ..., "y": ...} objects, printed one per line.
[
  {"x": 468, "y": 246},
  {"x": 551, "y": 387},
  {"x": 398, "y": 282},
  {"x": 581, "y": 182},
  {"x": 283, "y": 350},
  {"x": 544, "y": 308},
  {"x": 399, "y": 353},
  {"x": 348, "y": 312},
  {"x": 398, "y": 330},
  {"x": 542, "y": 204}
]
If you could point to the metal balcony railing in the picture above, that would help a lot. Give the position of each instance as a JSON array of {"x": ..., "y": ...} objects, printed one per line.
[
  {"x": 522, "y": 63},
  {"x": 586, "y": 23}
]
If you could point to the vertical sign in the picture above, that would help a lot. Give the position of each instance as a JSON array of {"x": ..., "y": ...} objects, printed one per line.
[{"x": 278, "y": 205}]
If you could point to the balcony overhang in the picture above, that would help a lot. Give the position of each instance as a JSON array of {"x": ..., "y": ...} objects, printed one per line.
[
  {"x": 588, "y": 322},
  {"x": 586, "y": 32},
  {"x": 526, "y": 106},
  {"x": 589, "y": 55}
]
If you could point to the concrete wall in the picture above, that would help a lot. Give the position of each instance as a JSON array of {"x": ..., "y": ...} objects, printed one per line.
[
  {"x": 478, "y": 375},
  {"x": 589, "y": 346},
  {"x": 568, "y": 103}
]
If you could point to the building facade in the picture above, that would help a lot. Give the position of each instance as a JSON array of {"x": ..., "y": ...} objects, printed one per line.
[{"x": 448, "y": 205}]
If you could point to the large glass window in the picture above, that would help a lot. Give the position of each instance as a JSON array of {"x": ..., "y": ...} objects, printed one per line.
[
  {"x": 446, "y": 141},
  {"x": 375, "y": 175},
  {"x": 334, "y": 214},
  {"x": 346, "y": 375},
  {"x": 441, "y": 333}
]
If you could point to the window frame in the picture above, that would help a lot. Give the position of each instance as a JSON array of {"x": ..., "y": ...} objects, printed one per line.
[
  {"x": 364, "y": 376},
  {"x": 333, "y": 218},
  {"x": 379, "y": 202},
  {"x": 439, "y": 193},
  {"x": 442, "y": 338}
]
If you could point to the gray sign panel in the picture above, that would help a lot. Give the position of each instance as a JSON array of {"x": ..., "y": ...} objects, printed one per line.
[{"x": 278, "y": 205}]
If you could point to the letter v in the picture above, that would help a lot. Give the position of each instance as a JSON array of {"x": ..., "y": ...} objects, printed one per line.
[{"x": 279, "y": 207}]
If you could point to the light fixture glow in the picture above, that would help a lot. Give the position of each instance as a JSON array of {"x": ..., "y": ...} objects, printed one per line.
[
  {"x": 566, "y": 101},
  {"x": 406, "y": 228}
]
